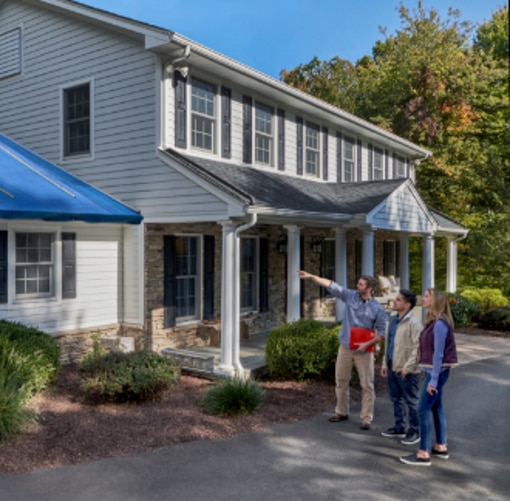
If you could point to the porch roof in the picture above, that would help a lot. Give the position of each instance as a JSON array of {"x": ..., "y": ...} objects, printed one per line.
[
  {"x": 277, "y": 191},
  {"x": 33, "y": 188}
]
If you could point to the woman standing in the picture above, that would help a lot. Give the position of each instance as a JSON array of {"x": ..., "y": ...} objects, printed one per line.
[{"x": 437, "y": 355}]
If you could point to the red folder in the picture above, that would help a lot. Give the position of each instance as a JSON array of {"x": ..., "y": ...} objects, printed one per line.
[{"x": 359, "y": 336}]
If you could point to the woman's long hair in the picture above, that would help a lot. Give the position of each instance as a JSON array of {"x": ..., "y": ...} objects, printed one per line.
[{"x": 439, "y": 307}]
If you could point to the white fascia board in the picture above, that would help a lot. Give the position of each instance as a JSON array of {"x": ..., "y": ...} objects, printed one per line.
[
  {"x": 221, "y": 59},
  {"x": 235, "y": 205},
  {"x": 153, "y": 36}
]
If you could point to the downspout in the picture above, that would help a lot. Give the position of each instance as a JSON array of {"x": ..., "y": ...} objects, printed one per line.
[{"x": 237, "y": 299}]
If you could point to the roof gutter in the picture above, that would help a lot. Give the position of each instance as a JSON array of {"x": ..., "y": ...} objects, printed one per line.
[{"x": 237, "y": 306}]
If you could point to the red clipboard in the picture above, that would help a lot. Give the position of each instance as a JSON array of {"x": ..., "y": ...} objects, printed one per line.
[{"x": 359, "y": 336}]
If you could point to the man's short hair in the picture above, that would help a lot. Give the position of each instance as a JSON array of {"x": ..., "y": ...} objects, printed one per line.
[
  {"x": 370, "y": 281},
  {"x": 409, "y": 297}
]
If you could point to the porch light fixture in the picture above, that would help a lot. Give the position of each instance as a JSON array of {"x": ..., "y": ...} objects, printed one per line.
[
  {"x": 281, "y": 245},
  {"x": 316, "y": 245}
]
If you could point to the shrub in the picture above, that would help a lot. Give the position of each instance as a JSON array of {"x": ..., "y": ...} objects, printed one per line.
[
  {"x": 15, "y": 390},
  {"x": 302, "y": 350},
  {"x": 233, "y": 397},
  {"x": 43, "y": 353},
  {"x": 485, "y": 298},
  {"x": 121, "y": 377},
  {"x": 463, "y": 310},
  {"x": 497, "y": 319}
]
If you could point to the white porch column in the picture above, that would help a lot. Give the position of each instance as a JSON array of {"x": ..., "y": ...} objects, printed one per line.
[
  {"x": 340, "y": 267},
  {"x": 428, "y": 271},
  {"x": 404, "y": 261},
  {"x": 451, "y": 265},
  {"x": 227, "y": 296},
  {"x": 293, "y": 280},
  {"x": 367, "y": 264}
]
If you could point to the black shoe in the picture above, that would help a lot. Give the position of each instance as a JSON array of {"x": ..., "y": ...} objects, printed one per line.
[
  {"x": 365, "y": 426},
  {"x": 411, "y": 438},
  {"x": 440, "y": 454},
  {"x": 393, "y": 432},
  {"x": 336, "y": 418},
  {"x": 414, "y": 460}
]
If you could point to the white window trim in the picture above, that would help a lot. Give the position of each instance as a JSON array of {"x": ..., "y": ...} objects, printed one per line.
[
  {"x": 217, "y": 115},
  {"x": 351, "y": 140},
  {"x": 56, "y": 295},
  {"x": 181, "y": 321},
  {"x": 86, "y": 156},
  {"x": 308, "y": 124},
  {"x": 257, "y": 277},
  {"x": 272, "y": 159}
]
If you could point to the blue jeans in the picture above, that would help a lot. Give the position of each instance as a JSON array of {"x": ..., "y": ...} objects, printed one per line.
[
  {"x": 404, "y": 395},
  {"x": 431, "y": 407}
]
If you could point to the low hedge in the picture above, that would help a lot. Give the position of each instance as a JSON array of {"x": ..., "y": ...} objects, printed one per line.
[
  {"x": 497, "y": 319},
  {"x": 301, "y": 350},
  {"x": 121, "y": 377}
]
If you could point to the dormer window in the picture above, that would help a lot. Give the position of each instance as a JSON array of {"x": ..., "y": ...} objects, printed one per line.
[
  {"x": 312, "y": 149},
  {"x": 203, "y": 115},
  {"x": 263, "y": 134}
]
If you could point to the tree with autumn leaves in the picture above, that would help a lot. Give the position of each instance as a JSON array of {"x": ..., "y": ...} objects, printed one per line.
[{"x": 445, "y": 86}]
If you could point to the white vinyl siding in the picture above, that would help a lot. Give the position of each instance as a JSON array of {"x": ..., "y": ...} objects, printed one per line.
[
  {"x": 10, "y": 53},
  {"x": 98, "y": 261}
]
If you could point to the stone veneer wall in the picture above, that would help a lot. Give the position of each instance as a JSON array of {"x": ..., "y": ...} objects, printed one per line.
[{"x": 74, "y": 345}]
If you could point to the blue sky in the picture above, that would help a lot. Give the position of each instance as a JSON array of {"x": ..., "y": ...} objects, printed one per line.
[{"x": 271, "y": 35}]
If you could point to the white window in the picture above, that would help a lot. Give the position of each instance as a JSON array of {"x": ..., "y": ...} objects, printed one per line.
[
  {"x": 10, "y": 53},
  {"x": 187, "y": 274},
  {"x": 378, "y": 164},
  {"x": 77, "y": 120},
  {"x": 400, "y": 168},
  {"x": 34, "y": 265},
  {"x": 203, "y": 115},
  {"x": 264, "y": 131},
  {"x": 349, "y": 159},
  {"x": 312, "y": 149},
  {"x": 249, "y": 274}
]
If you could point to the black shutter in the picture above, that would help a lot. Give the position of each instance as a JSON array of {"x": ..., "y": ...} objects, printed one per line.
[
  {"x": 180, "y": 109},
  {"x": 68, "y": 265},
  {"x": 338, "y": 157},
  {"x": 395, "y": 169},
  {"x": 370, "y": 162},
  {"x": 247, "y": 129},
  {"x": 325, "y": 153},
  {"x": 226, "y": 121},
  {"x": 299, "y": 159},
  {"x": 387, "y": 164},
  {"x": 264, "y": 274},
  {"x": 169, "y": 281},
  {"x": 407, "y": 167},
  {"x": 208, "y": 277},
  {"x": 3, "y": 266},
  {"x": 281, "y": 139},
  {"x": 360, "y": 171}
]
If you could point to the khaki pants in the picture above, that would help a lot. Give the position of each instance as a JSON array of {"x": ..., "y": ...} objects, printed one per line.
[{"x": 364, "y": 363}]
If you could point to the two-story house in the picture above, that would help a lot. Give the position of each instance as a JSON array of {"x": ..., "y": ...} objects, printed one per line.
[{"x": 241, "y": 179}]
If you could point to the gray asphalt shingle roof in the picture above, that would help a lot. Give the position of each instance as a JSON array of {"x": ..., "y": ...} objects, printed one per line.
[{"x": 279, "y": 191}]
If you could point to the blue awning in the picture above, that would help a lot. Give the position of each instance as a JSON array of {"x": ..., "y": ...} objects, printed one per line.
[{"x": 33, "y": 188}]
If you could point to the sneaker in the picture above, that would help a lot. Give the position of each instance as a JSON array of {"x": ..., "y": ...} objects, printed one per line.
[
  {"x": 411, "y": 438},
  {"x": 440, "y": 454},
  {"x": 365, "y": 426},
  {"x": 393, "y": 432},
  {"x": 414, "y": 460}
]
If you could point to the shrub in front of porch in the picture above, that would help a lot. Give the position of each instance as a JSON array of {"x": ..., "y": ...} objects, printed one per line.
[
  {"x": 497, "y": 319},
  {"x": 233, "y": 397},
  {"x": 301, "y": 350},
  {"x": 135, "y": 376},
  {"x": 485, "y": 297}
]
